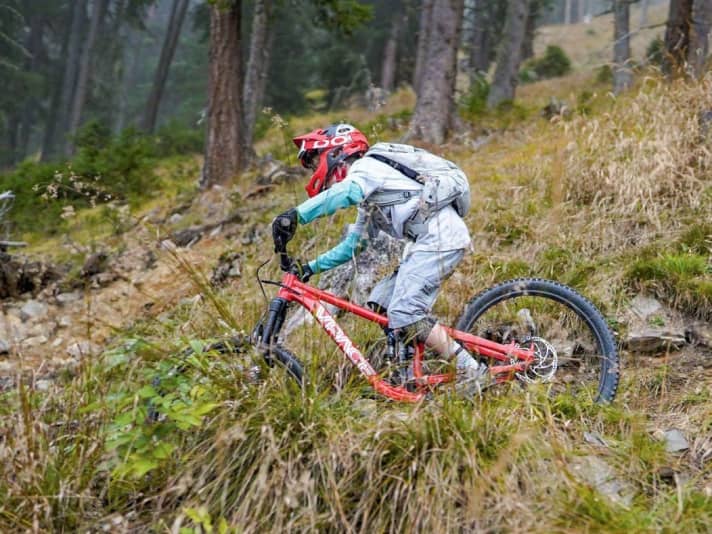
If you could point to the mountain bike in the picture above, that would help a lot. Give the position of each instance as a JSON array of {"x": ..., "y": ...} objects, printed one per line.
[{"x": 528, "y": 329}]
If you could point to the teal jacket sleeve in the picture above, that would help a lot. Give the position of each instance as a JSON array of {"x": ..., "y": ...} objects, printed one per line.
[
  {"x": 340, "y": 195},
  {"x": 351, "y": 246}
]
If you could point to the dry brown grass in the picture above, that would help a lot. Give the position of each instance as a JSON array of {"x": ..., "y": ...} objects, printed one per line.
[
  {"x": 591, "y": 45},
  {"x": 642, "y": 163}
]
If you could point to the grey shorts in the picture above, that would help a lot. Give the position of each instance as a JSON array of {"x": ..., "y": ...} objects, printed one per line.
[{"x": 409, "y": 293}]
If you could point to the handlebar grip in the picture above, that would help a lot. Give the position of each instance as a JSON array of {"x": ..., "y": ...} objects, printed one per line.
[{"x": 285, "y": 262}]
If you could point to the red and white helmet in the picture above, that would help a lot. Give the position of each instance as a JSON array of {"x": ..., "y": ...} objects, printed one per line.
[{"x": 324, "y": 151}]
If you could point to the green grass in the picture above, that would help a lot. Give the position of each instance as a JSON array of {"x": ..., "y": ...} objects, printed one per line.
[{"x": 230, "y": 453}]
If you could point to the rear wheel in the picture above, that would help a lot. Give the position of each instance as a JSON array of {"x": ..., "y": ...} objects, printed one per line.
[{"x": 575, "y": 349}]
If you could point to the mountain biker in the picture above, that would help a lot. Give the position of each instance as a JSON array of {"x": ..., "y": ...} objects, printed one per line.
[{"x": 342, "y": 177}]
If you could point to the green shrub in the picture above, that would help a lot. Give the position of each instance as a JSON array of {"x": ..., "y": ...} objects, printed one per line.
[
  {"x": 104, "y": 169},
  {"x": 654, "y": 52},
  {"x": 174, "y": 139},
  {"x": 684, "y": 280},
  {"x": 552, "y": 64},
  {"x": 475, "y": 101}
]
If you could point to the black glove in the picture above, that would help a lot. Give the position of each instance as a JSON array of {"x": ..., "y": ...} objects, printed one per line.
[
  {"x": 283, "y": 228},
  {"x": 302, "y": 270}
]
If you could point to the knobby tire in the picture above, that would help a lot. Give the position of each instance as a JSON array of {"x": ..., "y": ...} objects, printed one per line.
[{"x": 585, "y": 310}]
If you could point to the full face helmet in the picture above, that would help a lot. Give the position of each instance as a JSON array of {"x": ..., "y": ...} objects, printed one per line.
[{"x": 324, "y": 151}]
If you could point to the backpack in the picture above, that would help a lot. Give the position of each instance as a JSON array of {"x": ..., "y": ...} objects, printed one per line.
[{"x": 442, "y": 183}]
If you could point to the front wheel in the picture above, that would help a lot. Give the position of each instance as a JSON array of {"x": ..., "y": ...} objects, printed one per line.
[{"x": 575, "y": 349}]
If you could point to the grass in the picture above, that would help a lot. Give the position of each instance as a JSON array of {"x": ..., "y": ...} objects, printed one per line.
[{"x": 613, "y": 200}]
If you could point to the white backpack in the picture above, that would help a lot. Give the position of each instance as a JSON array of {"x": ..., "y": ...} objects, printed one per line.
[{"x": 442, "y": 183}]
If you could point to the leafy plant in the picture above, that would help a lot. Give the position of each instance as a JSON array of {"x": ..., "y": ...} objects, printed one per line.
[{"x": 552, "y": 64}]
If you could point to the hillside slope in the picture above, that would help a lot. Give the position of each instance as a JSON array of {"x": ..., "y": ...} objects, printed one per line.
[{"x": 614, "y": 199}]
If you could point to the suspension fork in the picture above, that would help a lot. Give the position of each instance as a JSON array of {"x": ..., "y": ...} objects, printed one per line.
[{"x": 271, "y": 327}]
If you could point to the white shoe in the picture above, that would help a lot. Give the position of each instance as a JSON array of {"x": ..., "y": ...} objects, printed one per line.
[{"x": 472, "y": 378}]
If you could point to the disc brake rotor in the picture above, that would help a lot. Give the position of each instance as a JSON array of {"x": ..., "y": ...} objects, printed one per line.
[{"x": 545, "y": 363}]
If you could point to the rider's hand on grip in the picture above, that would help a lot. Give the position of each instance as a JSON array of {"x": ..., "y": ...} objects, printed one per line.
[
  {"x": 283, "y": 228},
  {"x": 302, "y": 270}
]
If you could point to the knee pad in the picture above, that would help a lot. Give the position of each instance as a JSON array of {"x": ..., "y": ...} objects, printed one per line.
[{"x": 419, "y": 330}]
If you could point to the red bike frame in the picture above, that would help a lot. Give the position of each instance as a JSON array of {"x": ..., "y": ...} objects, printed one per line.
[{"x": 515, "y": 358}]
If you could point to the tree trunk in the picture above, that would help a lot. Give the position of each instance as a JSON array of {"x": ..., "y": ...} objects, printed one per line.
[
  {"x": 567, "y": 11},
  {"x": 223, "y": 155},
  {"x": 506, "y": 75},
  {"x": 622, "y": 75},
  {"x": 34, "y": 46},
  {"x": 390, "y": 52},
  {"x": 133, "y": 51},
  {"x": 260, "y": 52},
  {"x": 80, "y": 93},
  {"x": 699, "y": 36},
  {"x": 170, "y": 43},
  {"x": 426, "y": 13},
  {"x": 530, "y": 29},
  {"x": 13, "y": 134},
  {"x": 677, "y": 36},
  {"x": 435, "y": 107},
  {"x": 481, "y": 39},
  {"x": 70, "y": 76}
]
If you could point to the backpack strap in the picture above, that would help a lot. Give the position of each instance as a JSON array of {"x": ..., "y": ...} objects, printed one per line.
[
  {"x": 407, "y": 171},
  {"x": 391, "y": 197}
]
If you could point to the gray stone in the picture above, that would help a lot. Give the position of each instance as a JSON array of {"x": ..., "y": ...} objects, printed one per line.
[
  {"x": 33, "y": 309},
  {"x": 175, "y": 218},
  {"x": 82, "y": 348},
  {"x": 654, "y": 340},
  {"x": 644, "y": 306},
  {"x": 4, "y": 347},
  {"x": 34, "y": 341},
  {"x": 43, "y": 385},
  {"x": 594, "y": 438},
  {"x": 66, "y": 298},
  {"x": 602, "y": 477},
  {"x": 699, "y": 334},
  {"x": 675, "y": 441}
]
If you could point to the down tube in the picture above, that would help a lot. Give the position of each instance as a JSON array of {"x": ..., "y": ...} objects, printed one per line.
[{"x": 342, "y": 340}]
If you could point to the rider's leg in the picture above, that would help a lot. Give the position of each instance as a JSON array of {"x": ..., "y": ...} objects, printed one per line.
[{"x": 409, "y": 295}]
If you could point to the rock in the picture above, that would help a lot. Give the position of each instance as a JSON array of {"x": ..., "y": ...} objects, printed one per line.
[
  {"x": 654, "y": 340},
  {"x": 4, "y": 347},
  {"x": 34, "y": 341},
  {"x": 44, "y": 328},
  {"x": 94, "y": 264},
  {"x": 43, "y": 385},
  {"x": 228, "y": 267},
  {"x": 82, "y": 348},
  {"x": 699, "y": 334},
  {"x": 18, "y": 275},
  {"x": 33, "y": 309},
  {"x": 675, "y": 441},
  {"x": 602, "y": 477},
  {"x": 67, "y": 298},
  {"x": 704, "y": 121},
  {"x": 187, "y": 237},
  {"x": 65, "y": 321},
  {"x": 103, "y": 279},
  {"x": 594, "y": 438},
  {"x": 555, "y": 108},
  {"x": 175, "y": 218},
  {"x": 644, "y": 307}
]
